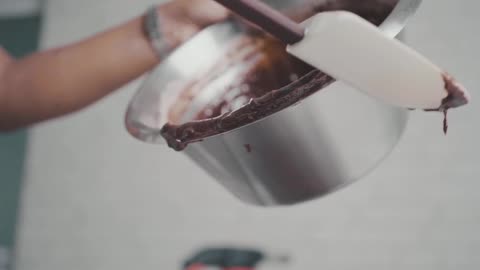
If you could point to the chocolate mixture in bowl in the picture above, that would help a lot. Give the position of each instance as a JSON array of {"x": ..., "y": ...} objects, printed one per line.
[{"x": 257, "y": 78}]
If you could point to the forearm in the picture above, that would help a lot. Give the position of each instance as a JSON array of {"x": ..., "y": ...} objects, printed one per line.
[
  {"x": 59, "y": 81},
  {"x": 63, "y": 80}
]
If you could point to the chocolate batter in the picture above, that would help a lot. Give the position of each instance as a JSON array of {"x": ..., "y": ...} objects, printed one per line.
[
  {"x": 456, "y": 94},
  {"x": 271, "y": 80},
  {"x": 455, "y": 98}
]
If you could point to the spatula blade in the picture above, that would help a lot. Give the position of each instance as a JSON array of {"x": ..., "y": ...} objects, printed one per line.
[{"x": 353, "y": 50}]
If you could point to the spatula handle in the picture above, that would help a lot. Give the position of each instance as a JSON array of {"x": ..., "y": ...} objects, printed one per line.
[{"x": 267, "y": 18}]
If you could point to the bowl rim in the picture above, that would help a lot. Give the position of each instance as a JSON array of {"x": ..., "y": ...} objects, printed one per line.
[{"x": 392, "y": 26}]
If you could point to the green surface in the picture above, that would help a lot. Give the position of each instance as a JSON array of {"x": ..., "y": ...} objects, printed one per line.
[{"x": 19, "y": 37}]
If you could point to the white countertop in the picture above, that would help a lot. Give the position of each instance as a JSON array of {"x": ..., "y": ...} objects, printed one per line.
[{"x": 96, "y": 199}]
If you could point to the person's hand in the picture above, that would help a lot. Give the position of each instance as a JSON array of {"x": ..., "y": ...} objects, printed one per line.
[
  {"x": 181, "y": 19},
  {"x": 203, "y": 12}
]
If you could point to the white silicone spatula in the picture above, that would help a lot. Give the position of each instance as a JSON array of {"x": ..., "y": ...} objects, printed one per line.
[{"x": 353, "y": 50}]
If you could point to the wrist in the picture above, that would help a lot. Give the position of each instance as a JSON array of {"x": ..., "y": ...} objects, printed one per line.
[{"x": 153, "y": 27}]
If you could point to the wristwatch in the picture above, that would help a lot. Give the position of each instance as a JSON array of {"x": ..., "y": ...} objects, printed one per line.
[{"x": 154, "y": 33}]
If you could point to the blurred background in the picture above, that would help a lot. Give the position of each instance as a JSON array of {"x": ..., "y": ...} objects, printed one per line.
[
  {"x": 20, "y": 23},
  {"x": 80, "y": 193}
]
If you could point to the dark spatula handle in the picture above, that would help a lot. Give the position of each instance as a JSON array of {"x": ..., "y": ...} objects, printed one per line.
[{"x": 267, "y": 18}]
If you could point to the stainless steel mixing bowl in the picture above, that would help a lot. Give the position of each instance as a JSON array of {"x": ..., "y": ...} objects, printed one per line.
[{"x": 304, "y": 152}]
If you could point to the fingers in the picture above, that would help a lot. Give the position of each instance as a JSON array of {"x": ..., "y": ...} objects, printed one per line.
[{"x": 206, "y": 12}]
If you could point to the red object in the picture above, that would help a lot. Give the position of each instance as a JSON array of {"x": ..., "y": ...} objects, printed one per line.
[
  {"x": 204, "y": 267},
  {"x": 196, "y": 267}
]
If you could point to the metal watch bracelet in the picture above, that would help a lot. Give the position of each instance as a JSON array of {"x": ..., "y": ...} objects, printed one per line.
[{"x": 154, "y": 33}]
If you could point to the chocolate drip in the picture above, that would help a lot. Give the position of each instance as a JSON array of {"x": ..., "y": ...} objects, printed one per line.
[
  {"x": 445, "y": 122},
  {"x": 456, "y": 97}
]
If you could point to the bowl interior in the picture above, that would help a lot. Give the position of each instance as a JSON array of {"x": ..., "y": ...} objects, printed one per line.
[{"x": 226, "y": 65}]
